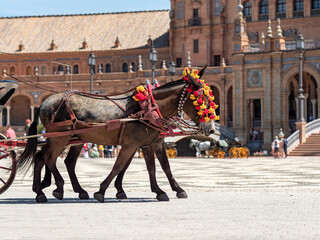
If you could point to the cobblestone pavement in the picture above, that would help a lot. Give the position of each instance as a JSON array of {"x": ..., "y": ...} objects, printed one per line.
[{"x": 255, "y": 198}]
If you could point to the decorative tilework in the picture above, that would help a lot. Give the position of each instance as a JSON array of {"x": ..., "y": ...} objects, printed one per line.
[
  {"x": 268, "y": 97},
  {"x": 236, "y": 62},
  {"x": 228, "y": 70},
  {"x": 255, "y": 78},
  {"x": 315, "y": 64},
  {"x": 278, "y": 97},
  {"x": 237, "y": 98},
  {"x": 285, "y": 67},
  {"x": 256, "y": 61},
  {"x": 290, "y": 59}
]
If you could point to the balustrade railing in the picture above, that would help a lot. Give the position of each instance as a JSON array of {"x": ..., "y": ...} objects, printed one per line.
[{"x": 311, "y": 127}]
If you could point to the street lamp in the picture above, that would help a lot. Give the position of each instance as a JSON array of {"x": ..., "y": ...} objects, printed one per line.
[
  {"x": 301, "y": 98},
  {"x": 92, "y": 64},
  {"x": 172, "y": 69},
  {"x": 153, "y": 58}
]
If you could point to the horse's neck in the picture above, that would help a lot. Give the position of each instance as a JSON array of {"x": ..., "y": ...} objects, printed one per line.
[{"x": 167, "y": 100}]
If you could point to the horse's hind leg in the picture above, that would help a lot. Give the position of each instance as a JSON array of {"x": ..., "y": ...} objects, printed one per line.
[
  {"x": 71, "y": 161},
  {"x": 52, "y": 150},
  {"x": 148, "y": 153},
  {"x": 126, "y": 153},
  {"x": 118, "y": 183},
  {"x": 36, "y": 187},
  {"x": 161, "y": 153}
]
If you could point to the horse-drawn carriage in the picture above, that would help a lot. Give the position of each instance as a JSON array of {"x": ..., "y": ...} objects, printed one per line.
[
  {"x": 220, "y": 148},
  {"x": 140, "y": 117}
]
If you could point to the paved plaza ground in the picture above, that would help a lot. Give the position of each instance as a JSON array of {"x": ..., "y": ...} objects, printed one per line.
[{"x": 255, "y": 198}]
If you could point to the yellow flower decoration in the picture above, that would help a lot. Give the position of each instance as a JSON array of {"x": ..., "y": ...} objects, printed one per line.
[
  {"x": 195, "y": 103},
  {"x": 202, "y": 81},
  {"x": 140, "y": 88},
  {"x": 216, "y": 118},
  {"x": 206, "y": 87},
  {"x": 203, "y": 106},
  {"x": 207, "y": 119},
  {"x": 192, "y": 97},
  {"x": 211, "y": 110},
  {"x": 135, "y": 98},
  {"x": 194, "y": 75},
  {"x": 185, "y": 71},
  {"x": 211, "y": 98},
  {"x": 206, "y": 92},
  {"x": 200, "y": 113}
]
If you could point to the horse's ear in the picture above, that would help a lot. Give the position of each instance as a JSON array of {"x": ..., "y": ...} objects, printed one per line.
[
  {"x": 194, "y": 81},
  {"x": 202, "y": 71}
]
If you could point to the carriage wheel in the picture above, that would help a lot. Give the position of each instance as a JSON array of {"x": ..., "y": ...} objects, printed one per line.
[
  {"x": 172, "y": 152},
  {"x": 234, "y": 152},
  {"x": 7, "y": 169},
  {"x": 244, "y": 152},
  {"x": 220, "y": 154}
]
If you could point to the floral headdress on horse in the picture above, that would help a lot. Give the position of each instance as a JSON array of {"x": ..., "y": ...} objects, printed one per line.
[{"x": 207, "y": 111}]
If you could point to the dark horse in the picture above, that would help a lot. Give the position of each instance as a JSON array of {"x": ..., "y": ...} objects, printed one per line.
[{"x": 135, "y": 134}]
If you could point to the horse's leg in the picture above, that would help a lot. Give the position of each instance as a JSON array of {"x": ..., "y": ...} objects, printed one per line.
[
  {"x": 125, "y": 154},
  {"x": 46, "y": 182},
  {"x": 118, "y": 183},
  {"x": 70, "y": 162},
  {"x": 160, "y": 149},
  {"x": 36, "y": 187},
  {"x": 54, "y": 147},
  {"x": 148, "y": 153}
]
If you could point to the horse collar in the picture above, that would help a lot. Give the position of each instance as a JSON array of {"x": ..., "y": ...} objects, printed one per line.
[{"x": 182, "y": 99}]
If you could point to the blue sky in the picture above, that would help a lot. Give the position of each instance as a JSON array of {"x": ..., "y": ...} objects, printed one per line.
[{"x": 11, "y": 8}]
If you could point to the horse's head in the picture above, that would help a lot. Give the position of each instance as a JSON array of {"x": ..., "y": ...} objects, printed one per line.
[{"x": 200, "y": 106}]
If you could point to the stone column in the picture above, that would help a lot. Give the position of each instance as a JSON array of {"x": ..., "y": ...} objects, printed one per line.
[
  {"x": 302, "y": 127},
  {"x": 32, "y": 113},
  {"x": 0, "y": 118},
  {"x": 297, "y": 108},
  {"x": 314, "y": 112},
  {"x": 8, "y": 115}
]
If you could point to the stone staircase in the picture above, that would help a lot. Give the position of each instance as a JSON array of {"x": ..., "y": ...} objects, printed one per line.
[{"x": 310, "y": 148}]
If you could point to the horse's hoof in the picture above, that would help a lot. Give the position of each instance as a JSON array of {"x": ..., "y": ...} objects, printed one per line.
[
  {"x": 99, "y": 197},
  {"x": 84, "y": 195},
  {"x": 163, "y": 197},
  {"x": 41, "y": 198},
  {"x": 58, "y": 195},
  {"x": 45, "y": 184},
  {"x": 121, "y": 195},
  {"x": 182, "y": 195}
]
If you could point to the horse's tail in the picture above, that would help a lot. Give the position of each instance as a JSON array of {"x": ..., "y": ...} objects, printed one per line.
[{"x": 26, "y": 159}]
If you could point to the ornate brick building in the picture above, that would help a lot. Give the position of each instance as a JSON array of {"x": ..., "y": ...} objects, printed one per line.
[{"x": 253, "y": 63}]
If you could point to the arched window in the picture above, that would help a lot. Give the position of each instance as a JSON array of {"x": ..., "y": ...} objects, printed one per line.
[
  {"x": 315, "y": 8},
  {"x": 60, "y": 68},
  {"x": 247, "y": 11},
  {"x": 29, "y": 70},
  {"x": 281, "y": 9},
  {"x": 298, "y": 5},
  {"x": 298, "y": 8},
  {"x": 264, "y": 10},
  {"x": 76, "y": 69},
  {"x": 315, "y": 4},
  {"x": 12, "y": 70},
  {"x": 108, "y": 68},
  {"x": 125, "y": 67}
]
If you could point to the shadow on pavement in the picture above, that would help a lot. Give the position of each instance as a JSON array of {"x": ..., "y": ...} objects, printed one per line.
[{"x": 75, "y": 200}]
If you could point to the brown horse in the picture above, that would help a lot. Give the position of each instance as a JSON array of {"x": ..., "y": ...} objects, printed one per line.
[{"x": 135, "y": 134}]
